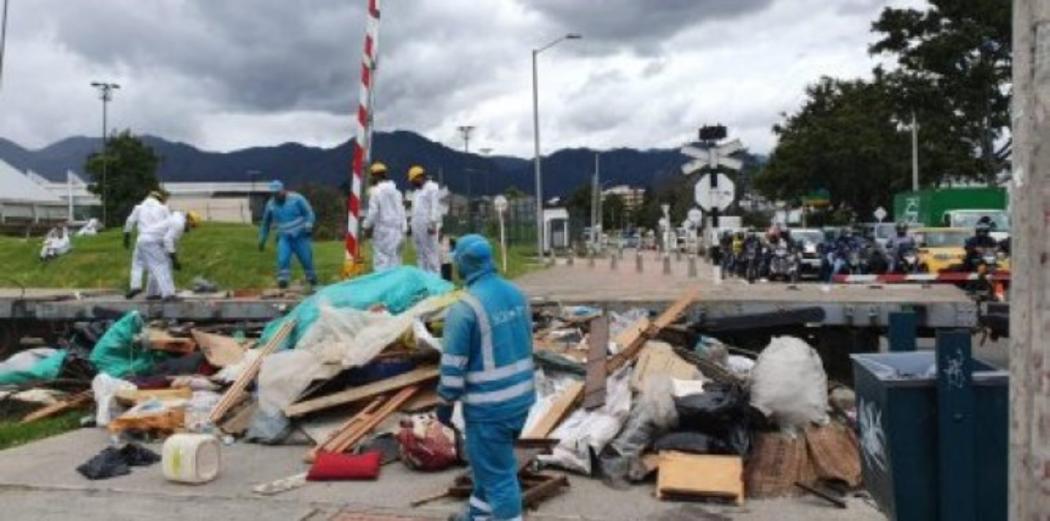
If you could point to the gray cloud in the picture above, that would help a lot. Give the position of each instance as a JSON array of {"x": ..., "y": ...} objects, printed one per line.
[{"x": 233, "y": 73}]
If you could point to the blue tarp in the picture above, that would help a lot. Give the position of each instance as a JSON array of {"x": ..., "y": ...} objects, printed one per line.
[
  {"x": 118, "y": 353},
  {"x": 45, "y": 369},
  {"x": 397, "y": 290}
]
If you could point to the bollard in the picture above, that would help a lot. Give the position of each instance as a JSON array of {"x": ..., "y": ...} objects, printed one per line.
[
  {"x": 677, "y": 255},
  {"x": 613, "y": 262},
  {"x": 590, "y": 259},
  {"x": 638, "y": 262},
  {"x": 692, "y": 266},
  {"x": 667, "y": 264},
  {"x": 717, "y": 271},
  {"x": 571, "y": 260}
]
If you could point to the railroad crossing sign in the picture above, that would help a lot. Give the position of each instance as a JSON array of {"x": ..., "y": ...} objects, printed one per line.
[
  {"x": 718, "y": 197},
  {"x": 713, "y": 158}
]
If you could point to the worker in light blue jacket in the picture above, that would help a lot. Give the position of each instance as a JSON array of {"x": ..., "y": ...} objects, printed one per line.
[
  {"x": 486, "y": 365},
  {"x": 294, "y": 219}
]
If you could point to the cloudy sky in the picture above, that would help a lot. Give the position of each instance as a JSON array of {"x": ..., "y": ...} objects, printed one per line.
[{"x": 227, "y": 74}]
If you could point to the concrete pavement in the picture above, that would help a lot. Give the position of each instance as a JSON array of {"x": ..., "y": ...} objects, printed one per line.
[{"x": 39, "y": 482}]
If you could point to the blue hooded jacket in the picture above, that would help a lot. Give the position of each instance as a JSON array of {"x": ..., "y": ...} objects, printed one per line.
[
  {"x": 487, "y": 354},
  {"x": 292, "y": 217}
]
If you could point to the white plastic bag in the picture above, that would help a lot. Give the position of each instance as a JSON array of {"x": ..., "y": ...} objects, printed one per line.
[
  {"x": 789, "y": 385},
  {"x": 105, "y": 389}
]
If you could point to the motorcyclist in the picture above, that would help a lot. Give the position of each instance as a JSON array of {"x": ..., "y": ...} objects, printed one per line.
[
  {"x": 844, "y": 244},
  {"x": 981, "y": 240},
  {"x": 898, "y": 246}
]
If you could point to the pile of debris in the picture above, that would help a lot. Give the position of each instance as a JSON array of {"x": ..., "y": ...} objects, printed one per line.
[{"x": 353, "y": 369}]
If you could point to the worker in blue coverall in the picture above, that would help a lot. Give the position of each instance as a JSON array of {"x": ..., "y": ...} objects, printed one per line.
[
  {"x": 486, "y": 365},
  {"x": 294, "y": 218}
]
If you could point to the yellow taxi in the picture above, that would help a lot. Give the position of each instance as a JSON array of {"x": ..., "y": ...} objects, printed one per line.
[{"x": 941, "y": 248}]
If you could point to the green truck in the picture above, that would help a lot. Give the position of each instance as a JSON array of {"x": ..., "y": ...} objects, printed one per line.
[{"x": 953, "y": 207}]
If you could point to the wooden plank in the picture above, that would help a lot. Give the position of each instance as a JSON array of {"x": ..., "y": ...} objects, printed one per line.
[
  {"x": 598, "y": 350},
  {"x": 357, "y": 427},
  {"x": 700, "y": 475},
  {"x": 235, "y": 393},
  {"x": 237, "y": 422},
  {"x": 677, "y": 308},
  {"x": 72, "y": 402},
  {"x": 557, "y": 412},
  {"x": 136, "y": 396},
  {"x": 364, "y": 392},
  {"x": 161, "y": 340},
  {"x": 424, "y": 400},
  {"x": 220, "y": 350}
]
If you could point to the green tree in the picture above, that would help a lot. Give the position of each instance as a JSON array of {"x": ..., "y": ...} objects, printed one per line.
[
  {"x": 131, "y": 173},
  {"x": 329, "y": 205},
  {"x": 513, "y": 192},
  {"x": 844, "y": 139},
  {"x": 614, "y": 212},
  {"x": 953, "y": 68}
]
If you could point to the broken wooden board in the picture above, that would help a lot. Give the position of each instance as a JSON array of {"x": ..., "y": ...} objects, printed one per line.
[
  {"x": 235, "y": 393},
  {"x": 165, "y": 421},
  {"x": 237, "y": 422},
  {"x": 364, "y": 392},
  {"x": 137, "y": 396},
  {"x": 161, "y": 340},
  {"x": 78, "y": 400},
  {"x": 557, "y": 412},
  {"x": 424, "y": 400},
  {"x": 679, "y": 306},
  {"x": 698, "y": 476},
  {"x": 221, "y": 351},
  {"x": 597, "y": 351},
  {"x": 357, "y": 427},
  {"x": 658, "y": 358}
]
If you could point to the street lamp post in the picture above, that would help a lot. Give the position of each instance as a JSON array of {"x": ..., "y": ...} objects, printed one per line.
[
  {"x": 465, "y": 131},
  {"x": 536, "y": 138},
  {"x": 105, "y": 90}
]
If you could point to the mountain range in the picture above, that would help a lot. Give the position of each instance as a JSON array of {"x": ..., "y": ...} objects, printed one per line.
[{"x": 467, "y": 173}]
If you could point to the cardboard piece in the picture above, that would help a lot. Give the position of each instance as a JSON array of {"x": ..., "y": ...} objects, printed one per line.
[
  {"x": 221, "y": 351},
  {"x": 777, "y": 462},
  {"x": 835, "y": 453},
  {"x": 658, "y": 358},
  {"x": 692, "y": 476},
  {"x": 161, "y": 340}
]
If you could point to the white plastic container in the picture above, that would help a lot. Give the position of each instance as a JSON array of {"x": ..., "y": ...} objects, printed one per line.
[{"x": 191, "y": 458}]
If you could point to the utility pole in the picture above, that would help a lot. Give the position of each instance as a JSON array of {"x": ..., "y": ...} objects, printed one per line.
[
  {"x": 1030, "y": 289},
  {"x": 3, "y": 41},
  {"x": 596, "y": 202},
  {"x": 914, "y": 153},
  {"x": 105, "y": 90}
]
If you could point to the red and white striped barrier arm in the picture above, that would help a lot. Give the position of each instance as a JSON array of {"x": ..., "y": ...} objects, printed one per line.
[
  {"x": 900, "y": 278},
  {"x": 362, "y": 132}
]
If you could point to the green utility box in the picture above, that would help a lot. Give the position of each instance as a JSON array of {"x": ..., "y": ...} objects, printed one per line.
[{"x": 897, "y": 409}]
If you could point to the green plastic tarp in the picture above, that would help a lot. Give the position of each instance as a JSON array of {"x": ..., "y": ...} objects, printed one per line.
[
  {"x": 119, "y": 353},
  {"x": 396, "y": 289},
  {"x": 45, "y": 369}
]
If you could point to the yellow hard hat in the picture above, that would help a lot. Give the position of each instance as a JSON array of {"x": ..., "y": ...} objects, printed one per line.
[
  {"x": 193, "y": 219},
  {"x": 416, "y": 172},
  {"x": 377, "y": 168}
]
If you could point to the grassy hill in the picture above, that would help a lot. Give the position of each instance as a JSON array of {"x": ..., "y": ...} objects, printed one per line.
[{"x": 226, "y": 254}]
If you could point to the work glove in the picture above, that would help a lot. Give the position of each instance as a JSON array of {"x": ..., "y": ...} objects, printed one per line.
[
  {"x": 127, "y": 240},
  {"x": 444, "y": 414},
  {"x": 175, "y": 264}
]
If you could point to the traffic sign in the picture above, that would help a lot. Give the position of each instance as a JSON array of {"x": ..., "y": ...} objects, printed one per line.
[
  {"x": 880, "y": 214},
  {"x": 717, "y": 198},
  {"x": 695, "y": 216},
  {"x": 500, "y": 203},
  {"x": 713, "y": 158}
]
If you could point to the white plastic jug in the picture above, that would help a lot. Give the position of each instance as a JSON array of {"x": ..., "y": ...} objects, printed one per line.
[{"x": 191, "y": 458}]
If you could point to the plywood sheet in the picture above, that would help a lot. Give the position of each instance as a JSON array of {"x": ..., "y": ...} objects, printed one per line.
[
  {"x": 658, "y": 358},
  {"x": 700, "y": 475}
]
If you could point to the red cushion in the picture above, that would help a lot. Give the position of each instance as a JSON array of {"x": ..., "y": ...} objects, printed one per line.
[{"x": 331, "y": 466}]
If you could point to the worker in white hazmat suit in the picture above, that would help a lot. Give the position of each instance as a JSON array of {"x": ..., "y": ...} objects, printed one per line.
[
  {"x": 56, "y": 243},
  {"x": 151, "y": 219},
  {"x": 385, "y": 219},
  {"x": 426, "y": 220},
  {"x": 178, "y": 224}
]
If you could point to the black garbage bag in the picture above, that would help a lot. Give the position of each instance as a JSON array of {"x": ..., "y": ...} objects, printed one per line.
[
  {"x": 722, "y": 413},
  {"x": 113, "y": 462},
  {"x": 106, "y": 464},
  {"x": 136, "y": 455}
]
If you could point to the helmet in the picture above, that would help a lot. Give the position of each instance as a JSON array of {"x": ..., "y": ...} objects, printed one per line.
[
  {"x": 276, "y": 186},
  {"x": 984, "y": 225},
  {"x": 415, "y": 172},
  {"x": 377, "y": 169},
  {"x": 193, "y": 219}
]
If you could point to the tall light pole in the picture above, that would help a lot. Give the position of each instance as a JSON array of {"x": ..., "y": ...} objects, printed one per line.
[
  {"x": 536, "y": 137},
  {"x": 914, "y": 153},
  {"x": 105, "y": 90},
  {"x": 465, "y": 130},
  {"x": 3, "y": 40}
]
